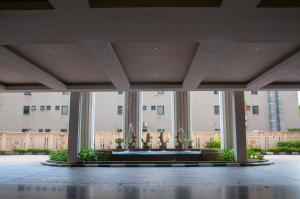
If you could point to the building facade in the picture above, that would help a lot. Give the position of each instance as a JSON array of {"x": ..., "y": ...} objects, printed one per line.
[{"x": 44, "y": 112}]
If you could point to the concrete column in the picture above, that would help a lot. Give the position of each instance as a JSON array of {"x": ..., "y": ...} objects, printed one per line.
[
  {"x": 225, "y": 101},
  {"x": 239, "y": 127},
  {"x": 74, "y": 127},
  {"x": 87, "y": 133},
  {"x": 233, "y": 125},
  {"x": 132, "y": 102},
  {"x": 182, "y": 112}
]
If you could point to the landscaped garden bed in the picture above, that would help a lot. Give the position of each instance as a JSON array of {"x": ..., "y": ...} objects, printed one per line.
[{"x": 156, "y": 158}]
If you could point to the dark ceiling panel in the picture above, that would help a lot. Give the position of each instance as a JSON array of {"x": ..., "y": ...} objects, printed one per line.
[
  {"x": 25, "y": 5},
  {"x": 153, "y": 3},
  {"x": 279, "y": 3}
]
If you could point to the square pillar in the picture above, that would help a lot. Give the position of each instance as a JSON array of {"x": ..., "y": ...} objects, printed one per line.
[
  {"x": 225, "y": 101},
  {"x": 182, "y": 112},
  {"x": 233, "y": 124},
  {"x": 132, "y": 114},
  {"x": 74, "y": 127},
  {"x": 87, "y": 133},
  {"x": 239, "y": 127}
]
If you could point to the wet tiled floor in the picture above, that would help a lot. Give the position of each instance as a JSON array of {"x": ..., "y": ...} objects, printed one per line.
[{"x": 24, "y": 177}]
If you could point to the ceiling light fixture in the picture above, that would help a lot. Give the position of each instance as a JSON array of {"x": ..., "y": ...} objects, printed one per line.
[{"x": 155, "y": 48}]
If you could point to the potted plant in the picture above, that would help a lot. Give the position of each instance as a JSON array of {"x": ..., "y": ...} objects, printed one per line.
[
  {"x": 119, "y": 142},
  {"x": 189, "y": 143}
]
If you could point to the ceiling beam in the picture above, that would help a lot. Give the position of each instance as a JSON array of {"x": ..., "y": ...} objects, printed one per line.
[
  {"x": 222, "y": 86},
  {"x": 105, "y": 55},
  {"x": 68, "y": 5},
  {"x": 204, "y": 59},
  {"x": 33, "y": 71},
  {"x": 166, "y": 86},
  {"x": 276, "y": 71},
  {"x": 240, "y": 3}
]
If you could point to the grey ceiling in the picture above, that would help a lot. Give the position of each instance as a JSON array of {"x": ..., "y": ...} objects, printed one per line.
[{"x": 238, "y": 45}]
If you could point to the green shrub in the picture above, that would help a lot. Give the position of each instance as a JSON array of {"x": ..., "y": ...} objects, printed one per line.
[
  {"x": 255, "y": 149},
  {"x": 294, "y": 130},
  {"x": 283, "y": 149},
  {"x": 1, "y": 152},
  {"x": 119, "y": 141},
  {"x": 188, "y": 142},
  {"x": 226, "y": 155},
  {"x": 87, "y": 155},
  {"x": 213, "y": 144},
  {"x": 255, "y": 153},
  {"x": 20, "y": 151},
  {"x": 289, "y": 144},
  {"x": 36, "y": 151},
  {"x": 61, "y": 155}
]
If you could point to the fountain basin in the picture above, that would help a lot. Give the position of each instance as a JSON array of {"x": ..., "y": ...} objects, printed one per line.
[{"x": 156, "y": 155}]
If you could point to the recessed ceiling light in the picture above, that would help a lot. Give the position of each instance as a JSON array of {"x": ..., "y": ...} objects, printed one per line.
[
  {"x": 258, "y": 49},
  {"x": 55, "y": 49},
  {"x": 155, "y": 48}
]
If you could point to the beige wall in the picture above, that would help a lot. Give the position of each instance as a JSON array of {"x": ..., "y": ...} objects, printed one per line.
[
  {"x": 260, "y": 121},
  {"x": 290, "y": 107},
  {"x": 153, "y": 120},
  {"x": 11, "y": 111},
  {"x": 106, "y": 117},
  {"x": 202, "y": 113}
]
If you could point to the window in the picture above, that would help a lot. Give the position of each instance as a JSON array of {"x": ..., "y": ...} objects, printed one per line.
[
  {"x": 120, "y": 110},
  {"x": 27, "y": 93},
  {"x": 160, "y": 92},
  {"x": 57, "y": 108},
  {"x": 41, "y": 130},
  {"x": 42, "y": 108},
  {"x": 47, "y": 130},
  {"x": 161, "y": 130},
  {"x": 248, "y": 108},
  {"x": 26, "y": 110},
  {"x": 120, "y": 92},
  {"x": 145, "y": 126},
  {"x": 64, "y": 130},
  {"x": 64, "y": 110},
  {"x": 33, "y": 108},
  {"x": 255, "y": 110},
  {"x": 217, "y": 110},
  {"x": 216, "y": 92},
  {"x": 48, "y": 108},
  {"x": 144, "y": 108},
  {"x": 253, "y": 92},
  {"x": 25, "y": 130},
  {"x": 153, "y": 108},
  {"x": 160, "y": 110}
]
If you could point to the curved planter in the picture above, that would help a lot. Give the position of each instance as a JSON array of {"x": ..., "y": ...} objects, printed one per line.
[{"x": 157, "y": 164}]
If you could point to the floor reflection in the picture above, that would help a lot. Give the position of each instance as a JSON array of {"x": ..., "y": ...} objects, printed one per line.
[{"x": 148, "y": 191}]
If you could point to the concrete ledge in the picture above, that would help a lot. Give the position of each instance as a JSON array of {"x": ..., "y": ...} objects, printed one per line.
[{"x": 192, "y": 164}]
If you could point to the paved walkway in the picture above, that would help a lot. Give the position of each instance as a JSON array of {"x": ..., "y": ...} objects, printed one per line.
[{"x": 25, "y": 175}]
